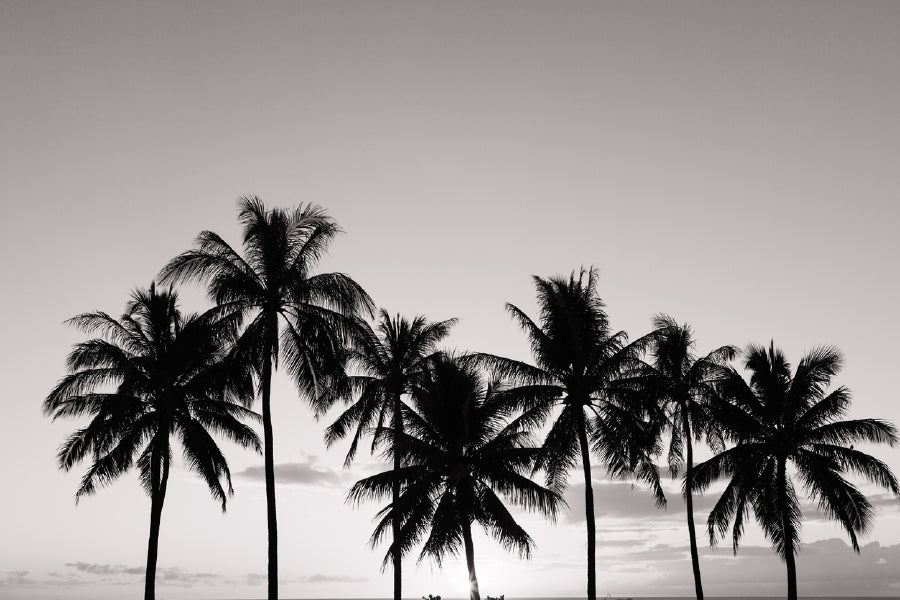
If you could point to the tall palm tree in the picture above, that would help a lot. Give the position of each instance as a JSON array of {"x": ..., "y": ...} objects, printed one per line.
[
  {"x": 387, "y": 363},
  {"x": 459, "y": 452},
  {"x": 579, "y": 361},
  {"x": 779, "y": 418},
  {"x": 684, "y": 386},
  {"x": 294, "y": 316},
  {"x": 171, "y": 375}
]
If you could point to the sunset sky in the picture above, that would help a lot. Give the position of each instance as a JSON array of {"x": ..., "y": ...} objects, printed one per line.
[{"x": 732, "y": 164}]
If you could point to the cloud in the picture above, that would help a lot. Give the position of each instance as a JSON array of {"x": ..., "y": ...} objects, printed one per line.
[
  {"x": 825, "y": 567},
  {"x": 623, "y": 500},
  {"x": 170, "y": 575},
  {"x": 626, "y": 500},
  {"x": 885, "y": 501},
  {"x": 335, "y": 579},
  {"x": 177, "y": 575},
  {"x": 15, "y": 579},
  {"x": 307, "y": 472},
  {"x": 631, "y": 560},
  {"x": 256, "y": 579},
  {"x": 106, "y": 569}
]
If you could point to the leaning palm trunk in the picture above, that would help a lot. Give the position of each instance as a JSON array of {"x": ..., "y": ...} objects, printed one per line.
[
  {"x": 588, "y": 510},
  {"x": 157, "y": 498},
  {"x": 474, "y": 594},
  {"x": 689, "y": 501},
  {"x": 395, "y": 525},
  {"x": 268, "y": 452}
]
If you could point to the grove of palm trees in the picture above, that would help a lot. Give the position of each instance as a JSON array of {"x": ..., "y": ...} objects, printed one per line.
[{"x": 463, "y": 437}]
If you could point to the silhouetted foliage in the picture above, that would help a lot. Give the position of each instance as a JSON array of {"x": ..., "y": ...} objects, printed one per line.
[
  {"x": 152, "y": 374},
  {"x": 460, "y": 450},
  {"x": 384, "y": 365},
  {"x": 684, "y": 387},
  {"x": 578, "y": 362},
  {"x": 779, "y": 418},
  {"x": 297, "y": 319}
]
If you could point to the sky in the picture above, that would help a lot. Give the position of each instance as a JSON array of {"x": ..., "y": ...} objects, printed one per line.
[{"x": 731, "y": 164}]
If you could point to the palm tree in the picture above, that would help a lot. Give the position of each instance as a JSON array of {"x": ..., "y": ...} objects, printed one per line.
[
  {"x": 388, "y": 363},
  {"x": 295, "y": 315},
  {"x": 459, "y": 451},
  {"x": 171, "y": 376},
  {"x": 779, "y": 418},
  {"x": 578, "y": 364},
  {"x": 684, "y": 386}
]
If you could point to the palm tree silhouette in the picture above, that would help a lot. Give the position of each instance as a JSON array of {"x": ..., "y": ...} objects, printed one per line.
[
  {"x": 684, "y": 386},
  {"x": 296, "y": 317},
  {"x": 779, "y": 418},
  {"x": 388, "y": 362},
  {"x": 578, "y": 364},
  {"x": 172, "y": 375},
  {"x": 459, "y": 451}
]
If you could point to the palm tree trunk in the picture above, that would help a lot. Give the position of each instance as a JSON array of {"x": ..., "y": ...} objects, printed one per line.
[
  {"x": 689, "y": 501},
  {"x": 474, "y": 594},
  {"x": 791, "y": 567},
  {"x": 398, "y": 427},
  {"x": 269, "y": 458},
  {"x": 157, "y": 498},
  {"x": 152, "y": 546},
  {"x": 788, "y": 530},
  {"x": 588, "y": 509}
]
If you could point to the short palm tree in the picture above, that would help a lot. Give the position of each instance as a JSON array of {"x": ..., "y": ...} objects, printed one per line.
[
  {"x": 460, "y": 450},
  {"x": 685, "y": 386},
  {"x": 579, "y": 361},
  {"x": 153, "y": 374},
  {"x": 779, "y": 418},
  {"x": 296, "y": 318},
  {"x": 386, "y": 364}
]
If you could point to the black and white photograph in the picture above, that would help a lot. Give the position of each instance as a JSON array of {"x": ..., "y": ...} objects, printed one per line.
[{"x": 449, "y": 299}]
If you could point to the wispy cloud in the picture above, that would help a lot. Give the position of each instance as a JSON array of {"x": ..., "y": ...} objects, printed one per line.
[
  {"x": 177, "y": 575},
  {"x": 15, "y": 579},
  {"x": 824, "y": 567},
  {"x": 165, "y": 575},
  {"x": 335, "y": 579},
  {"x": 105, "y": 569},
  {"x": 625, "y": 500},
  {"x": 885, "y": 501},
  {"x": 306, "y": 472},
  {"x": 255, "y": 579}
]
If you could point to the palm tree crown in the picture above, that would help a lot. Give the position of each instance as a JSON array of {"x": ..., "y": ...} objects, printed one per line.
[
  {"x": 777, "y": 419},
  {"x": 684, "y": 387},
  {"x": 578, "y": 363},
  {"x": 460, "y": 450},
  {"x": 386, "y": 364},
  {"x": 297, "y": 319},
  {"x": 169, "y": 374}
]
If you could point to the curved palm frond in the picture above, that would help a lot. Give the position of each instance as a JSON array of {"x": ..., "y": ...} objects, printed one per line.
[
  {"x": 459, "y": 450},
  {"x": 779, "y": 417}
]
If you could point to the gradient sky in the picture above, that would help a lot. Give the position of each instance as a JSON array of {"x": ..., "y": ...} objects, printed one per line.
[{"x": 732, "y": 164}]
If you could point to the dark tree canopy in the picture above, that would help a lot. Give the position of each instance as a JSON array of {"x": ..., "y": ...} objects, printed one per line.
[{"x": 780, "y": 419}]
